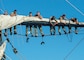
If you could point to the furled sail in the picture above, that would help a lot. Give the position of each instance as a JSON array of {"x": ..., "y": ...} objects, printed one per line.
[
  {"x": 6, "y": 21},
  {"x": 2, "y": 49}
]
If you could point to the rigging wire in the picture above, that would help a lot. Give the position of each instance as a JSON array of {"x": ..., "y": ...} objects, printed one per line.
[
  {"x": 2, "y": 5},
  {"x": 8, "y": 57},
  {"x": 47, "y": 34},
  {"x": 75, "y": 7},
  {"x": 73, "y": 48},
  {"x": 50, "y": 35},
  {"x": 2, "y": 10},
  {"x": 69, "y": 37},
  {"x": 21, "y": 32},
  {"x": 20, "y": 56},
  {"x": 16, "y": 52}
]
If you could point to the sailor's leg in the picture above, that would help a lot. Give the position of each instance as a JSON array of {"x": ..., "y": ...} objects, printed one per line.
[
  {"x": 54, "y": 32},
  {"x": 26, "y": 30},
  {"x": 40, "y": 28},
  {"x": 59, "y": 30},
  {"x": 5, "y": 34},
  {"x": 64, "y": 29},
  {"x": 10, "y": 31},
  {"x": 76, "y": 30},
  {"x": 35, "y": 29},
  {"x": 31, "y": 30},
  {"x": 15, "y": 32},
  {"x": 51, "y": 29},
  {"x": 69, "y": 27}
]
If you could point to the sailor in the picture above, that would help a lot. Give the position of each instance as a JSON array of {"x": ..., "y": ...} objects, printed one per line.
[
  {"x": 40, "y": 26},
  {"x": 75, "y": 21},
  {"x": 63, "y": 17},
  {"x": 5, "y": 13},
  {"x": 14, "y": 13},
  {"x": 30, "y": 15},
  {"x": 53, "y": 22},
  {"x": 38, "y": 15}
]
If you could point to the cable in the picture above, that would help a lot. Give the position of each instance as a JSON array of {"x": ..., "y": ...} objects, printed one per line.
[
  {"x": 73, "y": 48},
  {"x": 2, "y": 10},
  {"x": 2, "y": 5},
  {"x": 8, "y": 57},
  {"x": 45, "y": 35},
  {"x": 21, "y": 32},
  {"x": 21, "y": 57},
  {"x": 69, "y": 37},
  {"x": 75, "y": 7}
]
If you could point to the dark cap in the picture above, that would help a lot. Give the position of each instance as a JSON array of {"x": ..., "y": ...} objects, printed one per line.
[
  {"x": 75, "y": 18},
  {"x": 63, "y": 15},
  {"x": 53, "y": 16},
  {"x": 30, "y": 12},
  {"x": 15, "y": 10}
]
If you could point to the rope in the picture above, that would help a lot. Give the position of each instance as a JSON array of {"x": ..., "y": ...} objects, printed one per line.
[
  {"x": 45, "y": 35},
  {"x": 69, "y": 38},
  {"x": 1, "y": 10},
  {"x": 21, "y": 57},
  {"x": 20, "y": 35},
  {"x": 8, "y": 57},
  {"x": 73, "y": 49},
  {"x": 21, "y": 30},
  {"x": 2, "y": 6},
  {"x": 75, "y": 7}
]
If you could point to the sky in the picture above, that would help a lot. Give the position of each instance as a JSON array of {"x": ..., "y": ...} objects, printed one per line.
[{"x": 56, "y": 47}]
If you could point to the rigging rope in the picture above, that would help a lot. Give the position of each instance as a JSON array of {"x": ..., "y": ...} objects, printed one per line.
[
  {"x": 21, "y": 57},
  {"x": 73, "y": 48},
  {"x": 1, "y": 10},
  {"x": 21, "y": 32},
  {"x": 69, "y": 37},
  {"x": 8, "y": 57},
  {"x": 75, "y": 7},
  {"x": 2, "y": 5}
]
